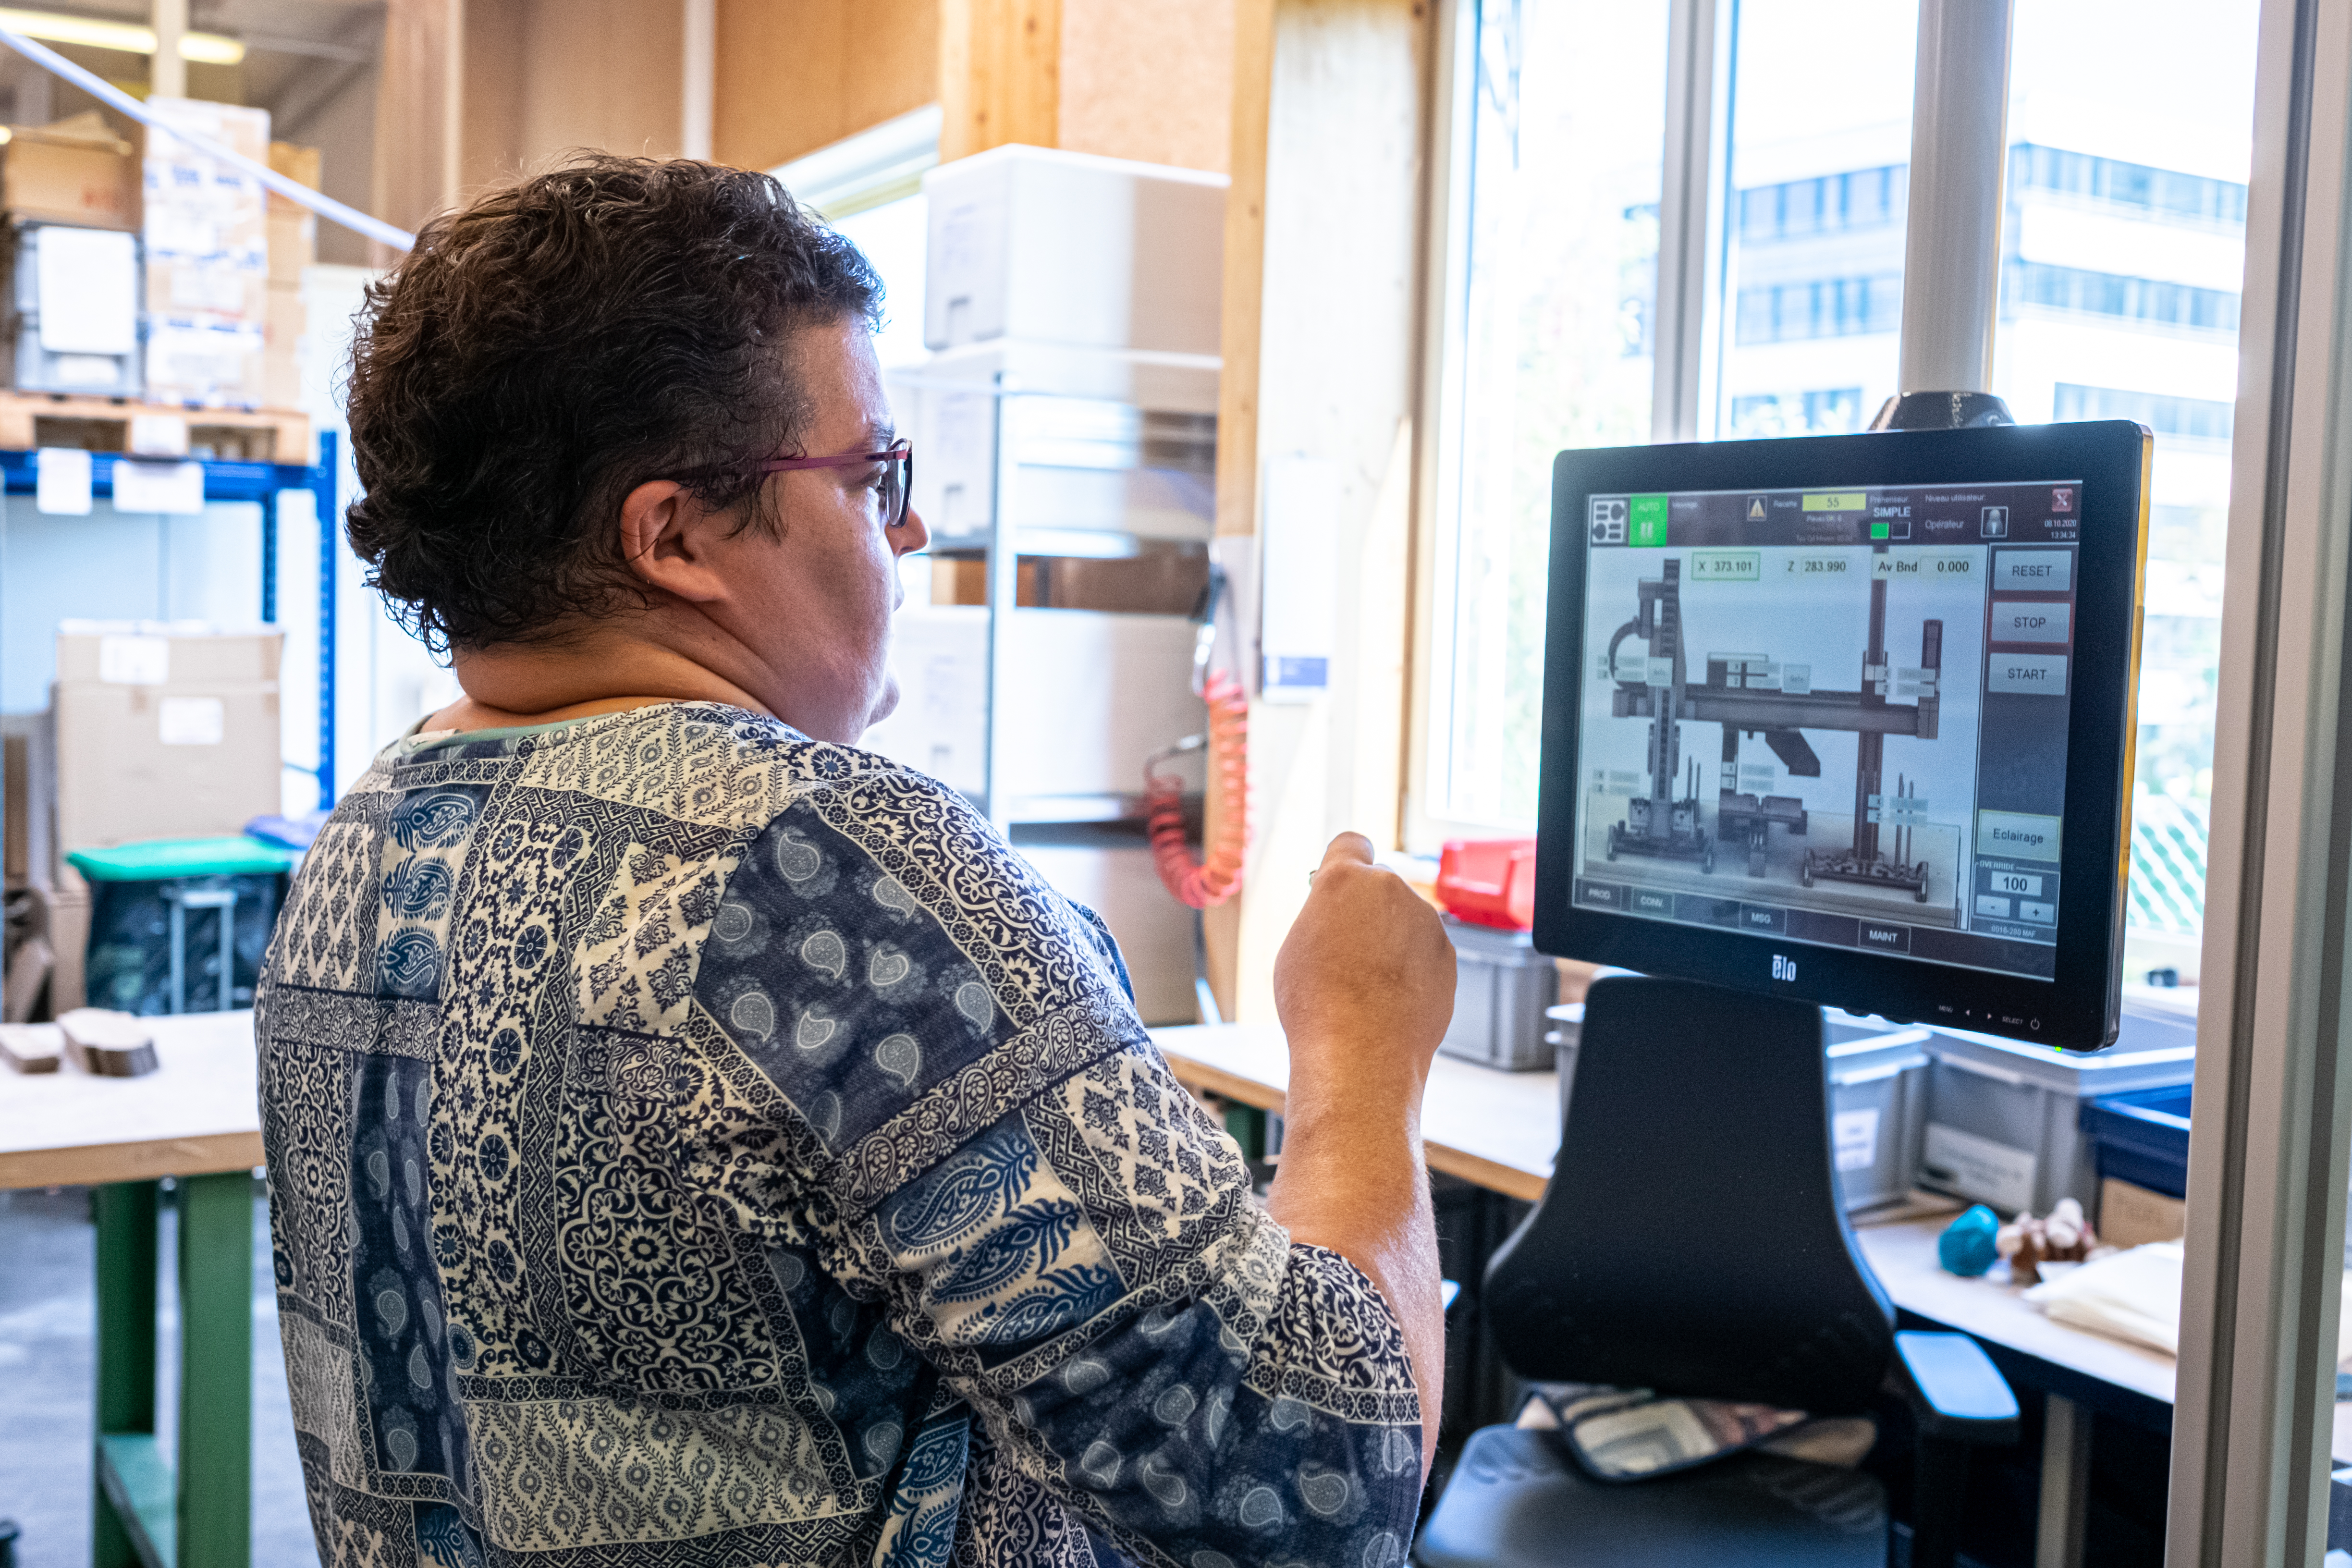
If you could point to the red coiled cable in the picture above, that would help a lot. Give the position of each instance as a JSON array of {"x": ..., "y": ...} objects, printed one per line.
[{"x": 1219, "y": 876}]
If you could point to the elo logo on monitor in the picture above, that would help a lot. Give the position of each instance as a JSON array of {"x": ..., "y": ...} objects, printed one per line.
[
  {"x": 1608, "y": 520},
  {"x": 1784, "y": 968}
]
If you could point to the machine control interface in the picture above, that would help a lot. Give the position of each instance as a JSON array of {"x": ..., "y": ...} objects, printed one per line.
[{"x": 1834, "y": 715}]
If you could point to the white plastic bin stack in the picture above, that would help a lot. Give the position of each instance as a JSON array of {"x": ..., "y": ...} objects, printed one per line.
[
  {"x": 2002, "y": 1119},
  {"x": 1094, "y": 283}
]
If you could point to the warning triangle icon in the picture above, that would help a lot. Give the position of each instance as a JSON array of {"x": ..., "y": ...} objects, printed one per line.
[{"x": 1755, "y": 509}]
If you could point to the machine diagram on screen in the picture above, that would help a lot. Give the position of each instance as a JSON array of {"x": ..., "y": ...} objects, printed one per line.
[{"x": 1796, "y": 722}]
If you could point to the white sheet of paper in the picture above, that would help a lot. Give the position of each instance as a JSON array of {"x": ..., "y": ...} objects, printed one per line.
[
  {"x": 89, "y": 283},
  {"x": 61, "y": 480},
  {"x": 159, "y": 486}
]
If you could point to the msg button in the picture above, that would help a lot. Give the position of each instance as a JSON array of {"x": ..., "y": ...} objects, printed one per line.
[{"x": 2026, "y": 674}]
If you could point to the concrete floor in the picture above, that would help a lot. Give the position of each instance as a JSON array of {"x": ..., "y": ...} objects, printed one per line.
[{"x": 47, "y": 1318}]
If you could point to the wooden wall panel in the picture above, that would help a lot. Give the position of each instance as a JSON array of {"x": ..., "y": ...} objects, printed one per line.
[
  {"x": 607, "y": 74},
  {"x": 495, "y": 83},
  {"x": 416, "y": 112},
  {"x": 794, "y": 75},
  {"x": 1150, "y": 79},
  {"x": 1000, "y": 74}
]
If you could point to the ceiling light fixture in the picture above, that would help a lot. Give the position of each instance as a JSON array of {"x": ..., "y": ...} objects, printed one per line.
[{"x": 130, "y": 38}]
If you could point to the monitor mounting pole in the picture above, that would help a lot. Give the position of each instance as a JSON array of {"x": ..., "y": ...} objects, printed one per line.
[{"x": 1951, "y": 264}]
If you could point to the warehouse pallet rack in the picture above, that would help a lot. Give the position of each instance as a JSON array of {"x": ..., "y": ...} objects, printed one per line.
[{"x": 271, "y": 484}]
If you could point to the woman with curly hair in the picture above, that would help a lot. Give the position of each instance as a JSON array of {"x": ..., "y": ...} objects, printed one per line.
[{"x": 693, "y": 1139}]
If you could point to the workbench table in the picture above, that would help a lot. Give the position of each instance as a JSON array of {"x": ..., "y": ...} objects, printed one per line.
[{"x": 194, "y": 1119}]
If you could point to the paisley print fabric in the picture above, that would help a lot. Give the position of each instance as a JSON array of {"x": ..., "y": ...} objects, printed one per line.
[{"x": 694, "y": 1144}]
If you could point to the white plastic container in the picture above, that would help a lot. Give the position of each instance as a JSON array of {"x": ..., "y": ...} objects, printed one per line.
[
  {"x": 1104, "y": 441},
  {"x": 1067, "y": 248},
  {"x": 2003, "y": 1116}
]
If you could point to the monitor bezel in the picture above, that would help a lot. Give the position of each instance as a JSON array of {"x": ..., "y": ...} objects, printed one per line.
[{"x": 2080, "y": 1007}]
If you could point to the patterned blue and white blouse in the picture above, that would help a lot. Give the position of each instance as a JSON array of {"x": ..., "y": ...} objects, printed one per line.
[{"x": 692, "y": 1144}]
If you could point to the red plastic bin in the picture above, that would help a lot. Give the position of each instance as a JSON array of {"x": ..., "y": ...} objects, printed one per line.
[{"x": 1489, "y": 881}]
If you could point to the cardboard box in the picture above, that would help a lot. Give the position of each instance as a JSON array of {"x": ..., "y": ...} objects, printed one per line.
[
  {"x": 27, "y": 739},
  {"x": 298, "y": 163},
  {"x": 205, "y": 222},
  {"x": 165, "y": 653},
  {"x": 65, "y": 922},
  {"x": 208, "y": 287},
  {"x": 206, "y": 363},
  {"x": 75, "y": 171},
  {"x": 190, "y": 760},
  {"x": 281, "y": 354},
  {"x": 293, "y": 243}
]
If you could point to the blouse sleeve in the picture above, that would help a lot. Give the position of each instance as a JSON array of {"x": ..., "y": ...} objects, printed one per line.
[{"x": 974, "y": 1130}]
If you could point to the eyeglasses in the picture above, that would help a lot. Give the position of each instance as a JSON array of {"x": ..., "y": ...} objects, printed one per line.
[{"x": 897, "y": 474}]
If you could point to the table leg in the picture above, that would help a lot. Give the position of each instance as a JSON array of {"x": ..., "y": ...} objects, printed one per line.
[
  {"x": 1246, "y": 1123},
  {"x": 2066, "y": 1484},
  {"x": 125, "y": 1217},
  {"x": 215, "y": 1460}
]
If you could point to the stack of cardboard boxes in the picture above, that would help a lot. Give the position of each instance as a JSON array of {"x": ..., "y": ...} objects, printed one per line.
[
  {"x": 293, "y": 245},
  {"x": 159, "y": 731},
  {"x": 206, "y": 229},
  {"x": 210, "y": 261}
]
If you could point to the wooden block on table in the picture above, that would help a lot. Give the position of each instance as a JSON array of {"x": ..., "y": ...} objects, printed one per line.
[
  {"x": 2131, "y": 1216},
  {"x": 32, "y": 1048},
  {"x": 107, "y": 1044}
]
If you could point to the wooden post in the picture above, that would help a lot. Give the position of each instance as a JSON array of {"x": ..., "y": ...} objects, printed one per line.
[
  {"x": 1000, "y": 74},
  {"x": 168, "y": 76},
  {"x": 418, "y": 109},
  {"x": 1323, "y": 258}
]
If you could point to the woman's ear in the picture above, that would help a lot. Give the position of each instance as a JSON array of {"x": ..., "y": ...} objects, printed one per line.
[{"x": 666, "y": 538}]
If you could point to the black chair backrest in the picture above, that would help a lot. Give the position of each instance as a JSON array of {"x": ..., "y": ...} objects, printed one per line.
[{"x": 1691, "y": 1238}]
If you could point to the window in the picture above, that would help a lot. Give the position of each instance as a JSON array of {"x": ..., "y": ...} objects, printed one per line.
[
  {"x": 1831, "y": 412},
  {"x": 1819, "y": 191},
  {"x": 2125, "y": 252},
  {"x": 1556, "y": 235}
]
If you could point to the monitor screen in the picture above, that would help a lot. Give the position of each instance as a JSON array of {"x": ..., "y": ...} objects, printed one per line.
[{"x": 1837, "y": 714}]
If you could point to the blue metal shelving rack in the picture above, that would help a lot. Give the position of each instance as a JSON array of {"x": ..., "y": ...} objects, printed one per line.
[{"x": 271, "y": 484}]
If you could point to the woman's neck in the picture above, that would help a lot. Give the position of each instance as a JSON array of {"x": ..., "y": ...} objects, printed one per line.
[{"x": 509, "y": 686}]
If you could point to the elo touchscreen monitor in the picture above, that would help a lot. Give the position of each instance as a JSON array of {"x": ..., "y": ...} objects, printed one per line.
[{"x": 1848, "y": 719}]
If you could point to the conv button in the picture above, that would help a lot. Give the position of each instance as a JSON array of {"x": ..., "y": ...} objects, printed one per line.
[{"x": 2026, "y": 674}]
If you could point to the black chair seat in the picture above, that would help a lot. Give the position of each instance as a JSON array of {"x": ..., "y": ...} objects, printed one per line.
[{"x": 1517, "y": 1500}]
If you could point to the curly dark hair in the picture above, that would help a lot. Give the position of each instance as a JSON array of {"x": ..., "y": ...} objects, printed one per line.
[{"x": 554, "y": 345}]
